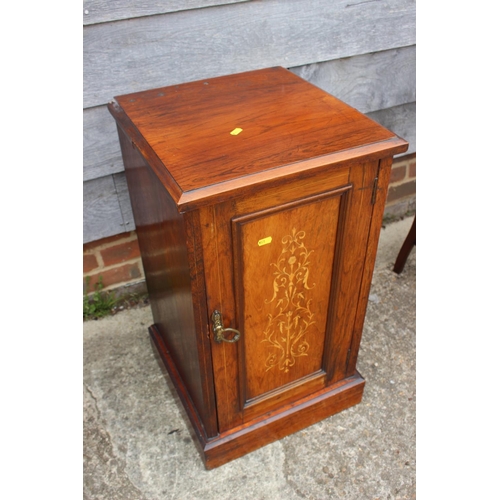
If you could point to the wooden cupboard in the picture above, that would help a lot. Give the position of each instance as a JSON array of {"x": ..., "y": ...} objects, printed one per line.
[{"x": 258, "y": 200}]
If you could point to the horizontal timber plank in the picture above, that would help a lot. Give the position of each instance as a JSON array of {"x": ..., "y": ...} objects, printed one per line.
[
  {"x": 368, "y": 82},
  {"x": 100, "y": 11},
  {"x": 102, "y": 215},
  {"x": 106, "y": 200},
  {"x": 124, "y": 201},
  {"x": 365, "y": 82},
  {"x": 101, "y": 149},
  {"x": 148, "y": 52},
  {"x": 102, "y": 156},
  {"x": 401, "y": 120}
]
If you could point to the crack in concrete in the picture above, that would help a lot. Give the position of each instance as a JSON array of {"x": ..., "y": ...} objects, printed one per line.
[
  {"x": 103, "y": 463},
  {"x": 89, "y": 390}
]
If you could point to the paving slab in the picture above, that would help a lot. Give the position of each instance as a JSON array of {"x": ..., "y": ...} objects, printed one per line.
[{"x": 138, "y": 444}]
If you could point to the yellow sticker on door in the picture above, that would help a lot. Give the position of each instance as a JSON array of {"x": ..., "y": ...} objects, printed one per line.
[
  {"x": 236, "y": 131},
  {"x": 265, "y": 241}
]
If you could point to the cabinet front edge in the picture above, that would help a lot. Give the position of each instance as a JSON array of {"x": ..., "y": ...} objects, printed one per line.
[{"x": 224, "y": 191}]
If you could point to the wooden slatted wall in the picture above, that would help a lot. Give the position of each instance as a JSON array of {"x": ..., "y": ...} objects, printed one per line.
[{"x": 363, "y": 52}]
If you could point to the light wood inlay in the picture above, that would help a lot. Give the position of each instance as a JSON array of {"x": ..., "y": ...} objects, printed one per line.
[
  {"x": 287, "y": 327},
  {"x": 284, "y": 290}
]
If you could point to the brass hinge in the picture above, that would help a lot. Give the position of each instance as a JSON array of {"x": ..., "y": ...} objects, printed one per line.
[{"x": 375, "y": 189}]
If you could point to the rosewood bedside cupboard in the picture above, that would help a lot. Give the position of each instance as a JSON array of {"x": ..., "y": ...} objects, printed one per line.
[{"x": 258, "y": 200}]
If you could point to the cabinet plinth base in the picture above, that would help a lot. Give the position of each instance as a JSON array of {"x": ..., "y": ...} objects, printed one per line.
[{"x": 268, "y": 428}]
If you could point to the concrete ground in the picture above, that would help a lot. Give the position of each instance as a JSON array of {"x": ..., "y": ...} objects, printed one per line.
[{"x": 138, "y": 444}]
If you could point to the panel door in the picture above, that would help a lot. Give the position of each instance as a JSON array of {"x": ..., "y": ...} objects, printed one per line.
[
  {"x": 285, "y": 271},
  {"x": 283, "y": 263}
]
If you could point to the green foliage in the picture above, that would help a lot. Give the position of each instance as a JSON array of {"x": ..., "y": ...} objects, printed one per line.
[{"x": 99, "y": 304}]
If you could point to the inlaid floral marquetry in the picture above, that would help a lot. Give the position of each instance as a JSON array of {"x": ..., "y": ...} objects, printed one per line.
[
  {"x": 287, "y": 326},
  {"x": 284, "y": 320}
]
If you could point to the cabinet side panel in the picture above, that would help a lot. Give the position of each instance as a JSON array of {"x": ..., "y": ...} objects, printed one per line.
[
  {"x": 352, "y": 242},
  {"x": 384, "y": 174},
  {"x": 162, "y": 239}
]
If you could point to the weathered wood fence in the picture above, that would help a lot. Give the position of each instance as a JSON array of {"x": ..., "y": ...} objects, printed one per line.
[{"x": 361, "y": 51}]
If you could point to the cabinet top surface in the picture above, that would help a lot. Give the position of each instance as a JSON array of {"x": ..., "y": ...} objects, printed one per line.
[{"x": 221, "y": 129}]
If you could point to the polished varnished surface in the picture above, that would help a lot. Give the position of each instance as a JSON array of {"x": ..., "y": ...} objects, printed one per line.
[
  {"x": 283, "y": 119},
  {"x": 329, "y": 217},
  {"x": 259, "y": 196},
  {"x": 166, "y": 242},
  {"x": 282, "y": 259}
]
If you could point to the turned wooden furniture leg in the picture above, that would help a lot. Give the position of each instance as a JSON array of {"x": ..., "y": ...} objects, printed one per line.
[{"x": 409, "y": 243}]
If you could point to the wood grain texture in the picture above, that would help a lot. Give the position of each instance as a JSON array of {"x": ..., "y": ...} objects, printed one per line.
[
  {"x": 401, "y": 120},
  {"x": 368, "y": 82},
  {"x": 284, "y": 120},
  {"x": 122, "y": 192},
  {"x": 168, "y": 365},
  {"x": 127, "y": 56},
  {"x": 352, "y": 243},
  {"x": 289, "y": 419},
  {"x": 203, "y": 342},
  {"x": 172, "y": 276},
  {"x": 148, "y": 52},
  {"x": 100, "y": 11},
  {"x": 383, "y": 176},
  {"x": 102, "y": 210},
  {"x": 102, "y": 216},
  {"x": 106, "y": 206},
  {"x": 220, "y": 260},
  {"x": 408, "y": 244},
  {"x": 217, "y": 245},
  {"x": 101, "y": 148},
  {"x": 283, "y": 270},
  {"x": 260, "y": 431},
  {"x": 228, "y": 190},
  {"x": 128, "y": 129}
]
